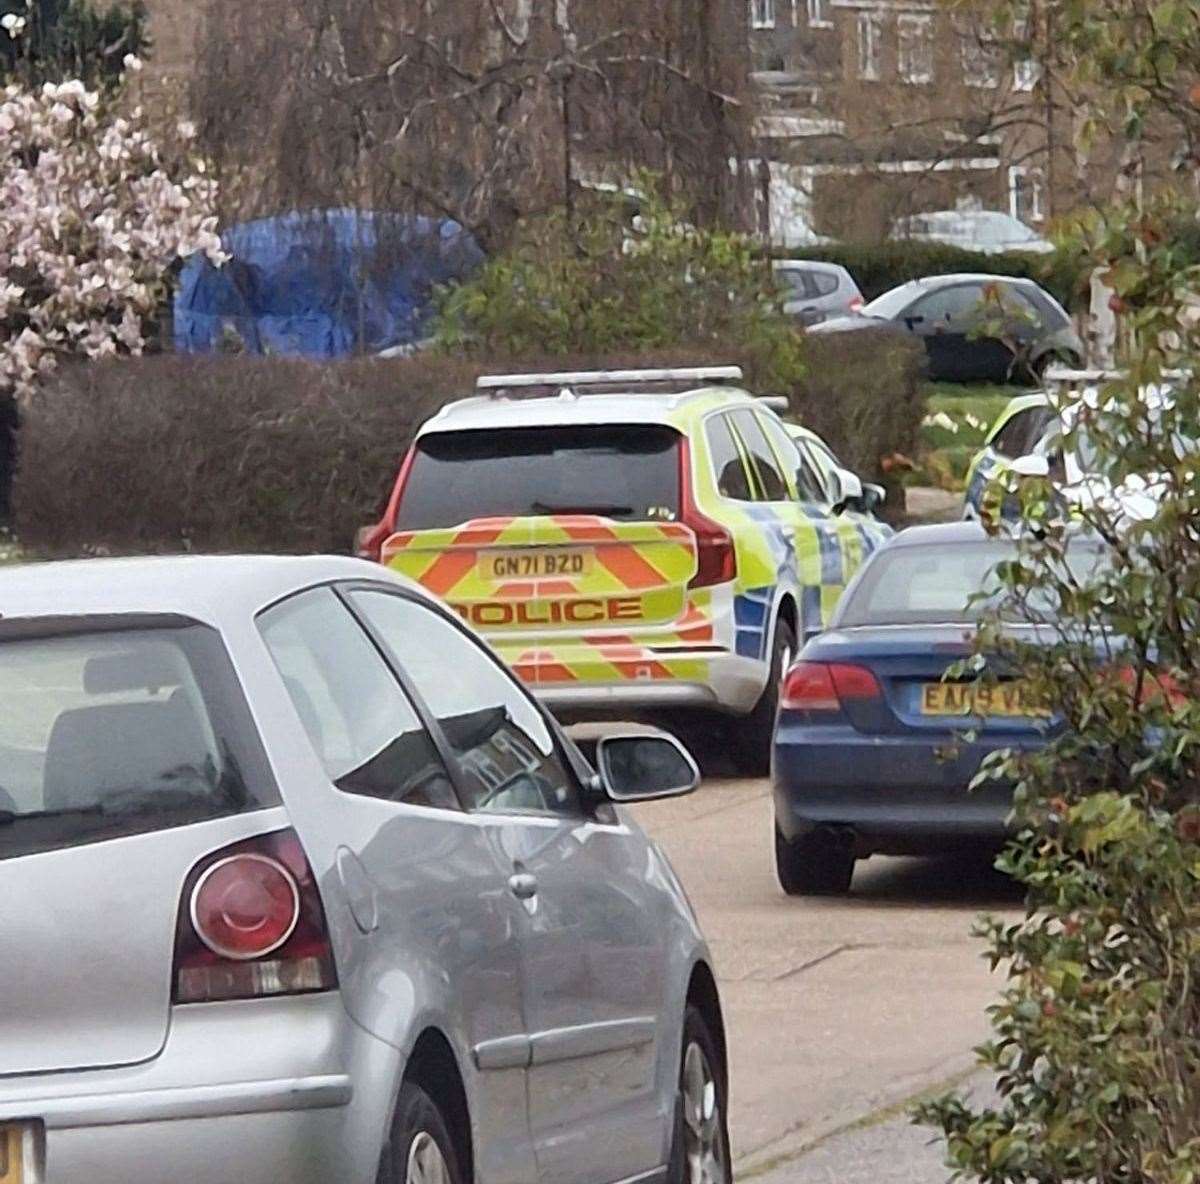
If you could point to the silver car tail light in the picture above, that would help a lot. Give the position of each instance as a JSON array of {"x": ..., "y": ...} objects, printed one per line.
[{"x": 251, "y": 925}]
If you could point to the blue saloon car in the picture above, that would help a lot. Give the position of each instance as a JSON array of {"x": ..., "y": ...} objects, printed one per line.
[{"x": 874, "y": 748}]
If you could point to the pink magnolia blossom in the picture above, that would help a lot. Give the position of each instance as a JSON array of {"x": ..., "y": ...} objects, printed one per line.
[{"x": 94, "y": 215}]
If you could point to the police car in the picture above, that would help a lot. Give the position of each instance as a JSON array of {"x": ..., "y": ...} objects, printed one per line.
[
  {"x": 1044, "y": 434},
  {"x": 634, "y": 544},
  {"x": 1015, "y": 434}
]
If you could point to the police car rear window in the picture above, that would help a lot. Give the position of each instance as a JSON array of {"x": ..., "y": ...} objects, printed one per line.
[{"x": 629, "y": 472}]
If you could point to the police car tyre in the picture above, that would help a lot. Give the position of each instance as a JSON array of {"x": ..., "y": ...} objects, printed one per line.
[
  {"x": 756, "y": 732},
  {"x": 820, "y": 863},
  {"x": 421, "y": 1149}
]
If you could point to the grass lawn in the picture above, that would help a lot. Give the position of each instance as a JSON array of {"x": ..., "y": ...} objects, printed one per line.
[{"x": 958, "y": 418}]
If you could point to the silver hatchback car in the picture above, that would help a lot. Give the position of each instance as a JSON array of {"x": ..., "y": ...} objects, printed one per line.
[{"x": 298, "y": 884}]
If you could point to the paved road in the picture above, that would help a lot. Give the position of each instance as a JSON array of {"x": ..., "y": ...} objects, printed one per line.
[{"x": 837, "y": 1009}]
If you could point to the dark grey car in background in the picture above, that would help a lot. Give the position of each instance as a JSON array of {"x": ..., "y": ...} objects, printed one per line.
[{"x": 974, "y": 327}]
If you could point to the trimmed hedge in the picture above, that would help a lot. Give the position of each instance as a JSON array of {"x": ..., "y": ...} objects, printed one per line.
[
  {"x": 179, "y": 453},
  {"x": 879, "y": 268}
]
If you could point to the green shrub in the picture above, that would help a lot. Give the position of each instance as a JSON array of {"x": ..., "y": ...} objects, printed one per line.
[
  {"x": 601, "y": 285},
  {"x": 879, "y": 268},
  {"x": 265, "y": 454},
  {"x": 176, "y": 453},
  {"x": 864, "y": 393},
  {"x": 1094, "y": 1043}
]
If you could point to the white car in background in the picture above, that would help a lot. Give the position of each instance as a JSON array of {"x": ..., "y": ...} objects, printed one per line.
[{"x": 989, "y": 232}]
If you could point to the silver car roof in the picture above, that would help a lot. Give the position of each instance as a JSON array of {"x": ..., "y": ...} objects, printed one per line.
[{"x": 215, "y": 590}]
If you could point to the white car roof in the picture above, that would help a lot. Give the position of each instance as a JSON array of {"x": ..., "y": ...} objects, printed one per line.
[
  {"x": 564, "y": 411},
  {"x": 215, "y": 590}
]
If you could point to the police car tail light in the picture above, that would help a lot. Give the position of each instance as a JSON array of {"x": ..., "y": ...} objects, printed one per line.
[
  {"x": 827, "y": 686},
  {"x": 251, "y": 925},
  {"x": 716, "y": 559},
  {"x": 368, "y": 543}
]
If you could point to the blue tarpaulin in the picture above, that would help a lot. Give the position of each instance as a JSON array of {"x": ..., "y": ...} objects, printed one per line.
[{"x": 322, "y": 285}]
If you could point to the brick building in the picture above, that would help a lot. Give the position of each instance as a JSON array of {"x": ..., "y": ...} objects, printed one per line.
[
  {"x": 875, "y": 109},
  {"x": 867, "y": 110}
]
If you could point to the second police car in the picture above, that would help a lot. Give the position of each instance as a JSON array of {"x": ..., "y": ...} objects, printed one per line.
[
  {"x": 638, "y": 543},
  {"x": 1047, "y": 435}
]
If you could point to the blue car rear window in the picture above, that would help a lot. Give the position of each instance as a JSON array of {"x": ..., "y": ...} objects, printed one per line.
[{"x": 941, "y": 583}]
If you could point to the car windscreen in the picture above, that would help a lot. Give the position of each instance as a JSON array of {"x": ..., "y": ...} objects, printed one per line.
[
  {"x": 114, "y": 731},
  {"x": 1053, "y": 313},
  {"x": 892, "y": 303},
  {"x": 943, "y": 583},
  {"x": 629, "y": 472},
  {"x": 996, "y": 229}
]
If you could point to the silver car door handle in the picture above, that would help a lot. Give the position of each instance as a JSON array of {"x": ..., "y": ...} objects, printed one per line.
[{"x": 523, "y": 885}]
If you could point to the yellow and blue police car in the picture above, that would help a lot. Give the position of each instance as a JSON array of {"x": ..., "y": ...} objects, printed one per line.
[{"x": 638, "y": 544}]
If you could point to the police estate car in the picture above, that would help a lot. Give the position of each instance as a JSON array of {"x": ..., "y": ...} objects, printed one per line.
[
  {"x": 1045, "y": 435},
  {"x": 633, "y": 544}
]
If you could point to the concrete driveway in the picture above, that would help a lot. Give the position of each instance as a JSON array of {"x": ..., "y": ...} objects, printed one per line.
[{"x": 838, "y": 1010}]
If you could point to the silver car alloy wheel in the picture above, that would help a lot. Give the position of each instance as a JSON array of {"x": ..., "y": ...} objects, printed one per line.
[
  {"x": 703, "y": 1129},
  {"x": 426, "y": 1163}
]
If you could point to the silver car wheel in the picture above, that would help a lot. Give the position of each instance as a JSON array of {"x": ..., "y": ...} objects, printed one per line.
[
  {"x": 703, "y": 1128},
  {"x": 426, "y": 1163}
]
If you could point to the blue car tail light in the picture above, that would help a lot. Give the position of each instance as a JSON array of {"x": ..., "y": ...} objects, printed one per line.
[{"x": 828, "y": 687}]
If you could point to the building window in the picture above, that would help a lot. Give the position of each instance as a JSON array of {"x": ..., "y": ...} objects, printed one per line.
[
  {"x": 981, "y": 59},
  {"x": 762, "y": 14},
  {"x": 870, "y": 38},
  {"x": 818, "y": 13},
  {"x": 1026, "y": 68},
  {"x": 915, "y": 48},
  {"x": 1026, "y": 72},
  {"x": 1026, "y": 196}
]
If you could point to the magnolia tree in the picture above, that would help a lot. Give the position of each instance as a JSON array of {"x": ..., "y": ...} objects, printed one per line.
[{"x": 94, "y": 216}]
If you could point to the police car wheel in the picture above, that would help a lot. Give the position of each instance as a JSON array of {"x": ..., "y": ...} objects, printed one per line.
[{"x": 756, "y": 732}]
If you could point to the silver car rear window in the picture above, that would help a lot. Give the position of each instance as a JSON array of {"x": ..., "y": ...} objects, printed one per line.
[{"x": 109, "y": 731}]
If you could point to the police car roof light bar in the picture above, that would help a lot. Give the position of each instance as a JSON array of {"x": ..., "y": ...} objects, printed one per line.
[{"x": 496, "y": 383}]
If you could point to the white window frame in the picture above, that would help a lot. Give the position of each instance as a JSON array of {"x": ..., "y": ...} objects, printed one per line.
[
  {"x": 982, "y": 61},
  {"x": 818, "y": 15},
  {"x": 762, "y": 14},
  {"x": 1027, "y": 73},
  {"x": 870, "y": 46},
  {"x": 1035, "y": 183},
  {"x": 914, "y": 32}
]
